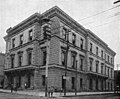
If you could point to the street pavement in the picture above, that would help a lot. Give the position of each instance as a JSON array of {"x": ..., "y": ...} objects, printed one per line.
[
  {"x": 6, "y": 94},
  {"x": 55, "y": 94}
]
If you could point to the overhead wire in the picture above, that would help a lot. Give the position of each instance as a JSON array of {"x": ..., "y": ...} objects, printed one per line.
[
  {"x": 104, "y": 23},
  {"x": 99, "y": 13}
]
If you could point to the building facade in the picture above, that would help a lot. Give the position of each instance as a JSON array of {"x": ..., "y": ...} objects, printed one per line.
[
  {"x": 2, "y": 64},
  {"x": 117, "y": 80},
  {"x": 90, "y": 62}
]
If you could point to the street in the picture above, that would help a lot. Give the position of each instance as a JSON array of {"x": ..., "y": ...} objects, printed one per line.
[{"x": 19, "y": 96}]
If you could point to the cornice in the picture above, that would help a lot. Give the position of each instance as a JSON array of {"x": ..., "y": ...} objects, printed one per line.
[
  {"x": 65, "y": 18},
  {"x": 21, "y": 26},
  {"x": 110, "y": 51},
  {"x": 100, "y": 42},
  {"x": 96, "y": 39},
  {"x": 30, "y": 19},
  {"x": 56, "y": 11}
]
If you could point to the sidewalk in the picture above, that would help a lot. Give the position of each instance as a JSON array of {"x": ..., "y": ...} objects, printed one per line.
[{"x": 56, "y": 94}]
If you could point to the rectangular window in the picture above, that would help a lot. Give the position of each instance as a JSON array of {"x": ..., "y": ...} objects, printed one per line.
[
  {"x": 108, "y": 58},
  {"x": 73, "y": 39},
  {"x": 102, "y": 84},
  {"x": 101, "y": 68},
  {"x": 111, "y": 86},
  {"x": 81, "y": 44},
  {"x": 73, "y": 83},
  {"x": 12, "y": 61},
  {"x": 81, "y": 62},
  {"x": 111, "y": 60},
  {"x": 19, "y": 81},
  {"x": 64, "y": 35},
  {"x": 29, "y": 57},
  {"x": 105, "y": 69},
  {"x": 73, "y": 61},
  {"x": 43, "y": 80},
  {"x": 111, "y": 72},
  {"x": 20, "y": 59},
  {"x": 63, "y": 58},
  {"x": 28, "y": 81},
  {"x": 105, "y": 57},
  {"x": 21, "y": 39},
  {"x": 108, "y": 85},
  {"x": 108, "y": 72},
  {"x": 96, "y": 84},
  {"x": 96, "y": 50},
  {"x": 90, "y": 84},
  {"x": 91, "y": 47},
  {"x": 102, "y": 53},
  {"x": 44, "y": 56},
  {"x": 81, "y": 82},
  {"x": 30, "y": 35},
  {"x": 91, "y": 63},
  {"x": 13, "y": 42},
  {"x": 97, "y": 63}
]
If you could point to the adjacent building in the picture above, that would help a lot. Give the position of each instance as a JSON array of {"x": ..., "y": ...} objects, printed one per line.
[
  {"x": 2, "y": 64},
  {"x": 90, "y": 62},
  {"x": 117, "y": 79}
]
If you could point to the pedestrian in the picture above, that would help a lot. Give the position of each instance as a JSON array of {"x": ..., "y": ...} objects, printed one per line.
[
  {"x": 51, "y": 90},
  {"x": 48, "y": 91}
]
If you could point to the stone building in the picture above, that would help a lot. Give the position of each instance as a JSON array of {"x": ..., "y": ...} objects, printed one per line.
[
  {"x": 26, "y": 53},
  {"x": 2, "y": 63},
  {"x": 117, "y": 79}
]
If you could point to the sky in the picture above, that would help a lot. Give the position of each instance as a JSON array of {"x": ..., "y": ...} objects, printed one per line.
[{"x": 100, "y": 16}]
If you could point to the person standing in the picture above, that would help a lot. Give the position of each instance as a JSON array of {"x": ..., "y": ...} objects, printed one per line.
[{"x": 51, "y": 91}]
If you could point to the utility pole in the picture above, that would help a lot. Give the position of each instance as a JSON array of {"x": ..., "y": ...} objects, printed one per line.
[
  {"x": 47, "y": 36},
  {"x": 66, "y": 57},
  {"x": 46, "y": 72}
]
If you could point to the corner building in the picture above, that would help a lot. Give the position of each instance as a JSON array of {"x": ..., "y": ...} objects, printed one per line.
[{"x": 90, "y": 62}]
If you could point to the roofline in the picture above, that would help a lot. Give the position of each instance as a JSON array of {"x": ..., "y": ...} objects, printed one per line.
[
  {"x": 64, "y": 14},
  {"x": 24, "y": 21},
  {"x": 53, "y": 9}
]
